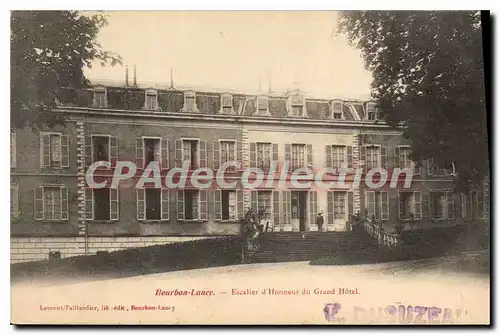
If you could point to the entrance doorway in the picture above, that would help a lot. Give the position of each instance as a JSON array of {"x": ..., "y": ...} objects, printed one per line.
[{"x": 299, "y": 210}]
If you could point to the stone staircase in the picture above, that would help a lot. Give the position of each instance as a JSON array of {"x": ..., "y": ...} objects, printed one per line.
[{"x": 304, "y": 246}]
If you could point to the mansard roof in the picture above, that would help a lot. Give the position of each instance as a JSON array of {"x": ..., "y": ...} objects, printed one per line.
[{"x": 171, "y": 100}]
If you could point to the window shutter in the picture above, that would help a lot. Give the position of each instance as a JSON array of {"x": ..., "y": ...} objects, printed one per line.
[
  {"x": 239, "y": 153},
  {"x": 309, "y": 155},
  {"x": 164, "y": 154},
  {"x": 385, "y": 205},
  {"x": 426, "y": 213},
  {"x": 416, "y": 168},
  {"x": 451, "y": 205},
  {"x": 275, "y": 152},
  {"x": 288, "y": 156},
  {"x": 165, "y": 204},
  {"x": 45, "y": 150},
  {"x": 330, "y": 207},
  {"x": 383, "y": 157},
  {"x": 64, "y": 151},
  {"x": 286, "y": 209},
  {"x": 253, "y": 154},
  {"x": 88, "y": 150},
  {"x": 113, "y": 156},
  {"x": 13, "y": 150},
  {"x": 217, "y": 205},
  {"x": 431, "y": 208},
  {"x": 239, "y": 200},
  {"x": 89, "y": 204},
  {"x": 396, "y": 158},
  {"x": 418, "y": 205},
  {"x": 253, "y": 201},
  {"x": 349, "y": 156},
  {"x": 216, "y": 155},
  {"x": 171, "y": 154},
  {"x": 178, "y": 153},
  {"x": 64, "y": 203},
  {"x": 276, "y": 208},
  {"x": 350, "y": 204},
  {"x": 141, "y": 203},
  {"x": 14, "y": 194},
  {"x": 203, "y": 154},
  {"x": 370, "y": 203},
  {"x": 113, "y": 204},
  {"x": 180, "y": 205},
  {"x": 203, "y": 205},
  {"x": 363, "y": 156},
  {"x": 313, "y": 207},
  {"x": 328, "y": 156},
  {"x": 39, "y": 203},
  {"x": 463, "y": 205},
  {"x": 139, "y": 153}
]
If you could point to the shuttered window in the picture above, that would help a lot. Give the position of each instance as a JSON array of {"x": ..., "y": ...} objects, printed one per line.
[
  {"x": 14, "y": 202},
  {"x": 51, "y": 203},
  {"x": 377, "y": 204},
  {"x": 54, "y": 150}
]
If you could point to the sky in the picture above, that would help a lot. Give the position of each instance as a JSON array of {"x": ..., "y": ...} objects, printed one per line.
[{"x": 245, "y": 51}]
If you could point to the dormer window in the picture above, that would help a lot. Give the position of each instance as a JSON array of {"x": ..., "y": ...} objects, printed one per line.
[
  {"x": 100, "y": 97},
  {"x": 226, "y": 103},
  {"x": 296, "y": 105},
  {"x": 190, "y": 102},
  {"x": 262, "y": 105},
  {"x": 337, "y": 110},
  {"x": 151, "y": 100},
  {"x": 371, "y": 111}
]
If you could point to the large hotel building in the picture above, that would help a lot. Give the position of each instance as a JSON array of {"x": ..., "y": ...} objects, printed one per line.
[{"x": 54, "y": 210}]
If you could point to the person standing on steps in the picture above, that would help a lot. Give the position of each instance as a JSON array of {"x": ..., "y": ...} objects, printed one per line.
[{"x": 320, "y": 221}]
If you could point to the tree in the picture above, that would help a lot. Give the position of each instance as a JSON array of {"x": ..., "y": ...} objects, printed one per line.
[
  {"x": 429, "y": 82},
  {"x": 49, "y": 50}
]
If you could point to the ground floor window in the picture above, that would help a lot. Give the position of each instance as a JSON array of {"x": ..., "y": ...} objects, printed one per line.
[
  {"x": 377, "y": 205},
  {"x": 51, "y": 203},
  {"x": 410, "y": 205},
  {"x": 101, "y": 204},
  {"x": 264, "y": 201},
  {"x": 441, "y": 205}
]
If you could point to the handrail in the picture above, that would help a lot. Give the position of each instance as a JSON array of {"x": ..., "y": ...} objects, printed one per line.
[{"x": 382, "y": 237}]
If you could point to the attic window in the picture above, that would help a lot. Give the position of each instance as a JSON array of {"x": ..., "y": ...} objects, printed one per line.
[
  {"x": 371, "y": 111},
  {"x": 100, "y": 97},
  {"x": 262, "y": 105},
  {"x": 151, "y": 100},
  {"x": 226, "y": 103},
  {"x": 190, "y": 102},
  {"x": 296, "y": 103},
  {"x": 337, "y": 110}
]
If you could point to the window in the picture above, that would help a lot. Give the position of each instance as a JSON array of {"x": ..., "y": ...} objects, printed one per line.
[
  {"x": 438, "y": 205},
  {"x": 153, "y": 203},
  {"x": 227, "y": 103},
  {"x": 229, "y": 211},
  {"x": 473, "y": 205},
  {"x": 372, "y": 157},
  {"x": 264, "y": 201},
  {"x": 339, "y": 205},
  {"x": 404, "y": 158},
  {"x": 371, "y": 111},
  {"x": 101, "y": 148},
  {"x": 337, "y": 110},
  {"x": 14, "y": 202},
  {"x": 264, "y": 156},
  {"x": 100, "y": 99},
  {"x": 101, "y": 204},
  {"x": 151, "y": 101},
  {"x": 296, "y": 105},
  {"x": 339, "y": 158},
  {"x": 190, "y": 102},
  {"x": 12, "y": 148},
  {"x": 298, "y": 156},
  {"x": 262, "y": 105},
  {"x": 51, "y": 203},
  {"x": 377, "y": 204},
  {"x": 190, "y": 153},
  {"x": 410, "y": 205},
  {"x": 55, "y": 150},
  {"x": 227, "y": 151},
  {"x": 433, "y": 169},
  {"x": 191, "y": 205},
  {"x": 152, "y": 147}
]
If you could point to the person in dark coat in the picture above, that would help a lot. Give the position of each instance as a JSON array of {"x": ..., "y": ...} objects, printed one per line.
[{"x": 320, "y": 221}]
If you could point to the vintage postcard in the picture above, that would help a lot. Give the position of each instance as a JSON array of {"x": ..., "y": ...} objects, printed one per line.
[{"x": 249, "y": 168}]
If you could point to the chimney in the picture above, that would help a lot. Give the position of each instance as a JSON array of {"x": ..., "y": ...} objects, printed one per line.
[
  {"x": 171, "y": 78},
  {"x": 135, "y": 76},
  {"x": 126, "y": 76}
]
